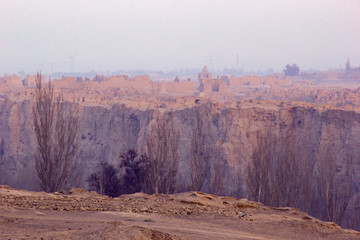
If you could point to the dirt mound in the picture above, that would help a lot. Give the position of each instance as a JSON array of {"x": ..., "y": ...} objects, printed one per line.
[
  {"x": 123, "y": 232},
  {"x": 189, "y": 215}
]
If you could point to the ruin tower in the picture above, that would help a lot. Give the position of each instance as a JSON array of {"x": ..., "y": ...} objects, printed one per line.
[
  {"x": 209, "y": 84},
  {"x": 348, "y": 67},
  {"x": 204, "y": 74},
  {"x": 353, "y": 71}
]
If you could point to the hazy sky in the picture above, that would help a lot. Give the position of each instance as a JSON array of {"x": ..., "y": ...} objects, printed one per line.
[{"x": 85, "y": 35}]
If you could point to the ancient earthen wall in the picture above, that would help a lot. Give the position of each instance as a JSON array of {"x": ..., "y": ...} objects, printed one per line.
[
  {"x": 277, "y": 81},
  {"x": 12, "y": 81},
  {"x": 245, "y": 80},
  {"x": 178, "y": 88}
]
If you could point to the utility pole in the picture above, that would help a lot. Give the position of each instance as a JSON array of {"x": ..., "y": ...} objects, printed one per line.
[
  {"x": 71, "y": 63},
  {"x": 237, "y": 61}
]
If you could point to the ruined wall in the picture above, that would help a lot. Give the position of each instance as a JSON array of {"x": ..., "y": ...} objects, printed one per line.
[
  {"x": 213, "y": 85},
  {"x": 183, "y": 88},
  {"x": 273, "y": 80},
  {"x": 245, "y": 80}
]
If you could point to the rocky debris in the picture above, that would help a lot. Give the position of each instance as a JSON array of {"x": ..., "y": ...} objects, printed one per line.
[
  {"x": 189, "y": 203},
  {"x": 80, "y": 214},
  {"x": 121, "y": 231}
]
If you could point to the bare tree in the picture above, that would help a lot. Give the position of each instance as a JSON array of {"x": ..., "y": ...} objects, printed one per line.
[
  {"x": 259, "y": 176},
  {"x": 2, "y": 159},
  {"x": 56, "y": 135},
  {"x": 217, "y": 171},
  {"x": 292, "y": 173},
  {"x": 200, "y": 153},
  {"x": 286, "y": 172},
  {"x": 285, "y": 177},
  {"x": 336, "y": 190},
  {"x": 162, "y": 155},
  {"x": 281, "y": 173}
]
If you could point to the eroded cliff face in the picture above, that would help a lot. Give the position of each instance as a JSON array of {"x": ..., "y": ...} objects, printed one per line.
[{"x": 230, "y": 128}]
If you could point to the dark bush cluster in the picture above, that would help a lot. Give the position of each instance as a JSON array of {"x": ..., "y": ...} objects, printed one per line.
[
  {"x": 291, "y": 70},
  {"x": 106, "y": 181},
  {"x": 128, "y": 178},
  {"x": 134, "y": 171}
]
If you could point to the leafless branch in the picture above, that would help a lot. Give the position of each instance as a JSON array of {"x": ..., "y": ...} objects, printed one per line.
[
  {"x": 199, "y": 152},
  {"x": 56, "y": 134},
  {"x": 162, "y": 155}
]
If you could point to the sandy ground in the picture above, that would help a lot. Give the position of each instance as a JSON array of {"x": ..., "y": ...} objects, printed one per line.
[{"x": 190, "y": 215}]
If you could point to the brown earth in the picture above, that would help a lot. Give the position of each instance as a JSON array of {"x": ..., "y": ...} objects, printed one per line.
[
  {"x": 116, "y": 113},
  {"x": 105, "y": 132},
  {"x": 191, "y": 215}
]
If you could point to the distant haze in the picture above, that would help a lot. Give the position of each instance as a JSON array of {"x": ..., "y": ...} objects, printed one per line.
[{"x": 85, "y": 35}]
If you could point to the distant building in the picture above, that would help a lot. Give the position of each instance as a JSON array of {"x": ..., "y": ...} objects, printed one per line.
[
  {"x": 209, "y": 84},
  {"x": 204, "y": 74},
  {"x": 351, "y": 70}
]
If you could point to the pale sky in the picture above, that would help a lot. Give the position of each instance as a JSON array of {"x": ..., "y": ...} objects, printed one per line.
[{"x": 85, "y": 35}]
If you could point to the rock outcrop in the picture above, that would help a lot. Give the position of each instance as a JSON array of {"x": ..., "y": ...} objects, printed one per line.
[{"x": 231, "y": 132}]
